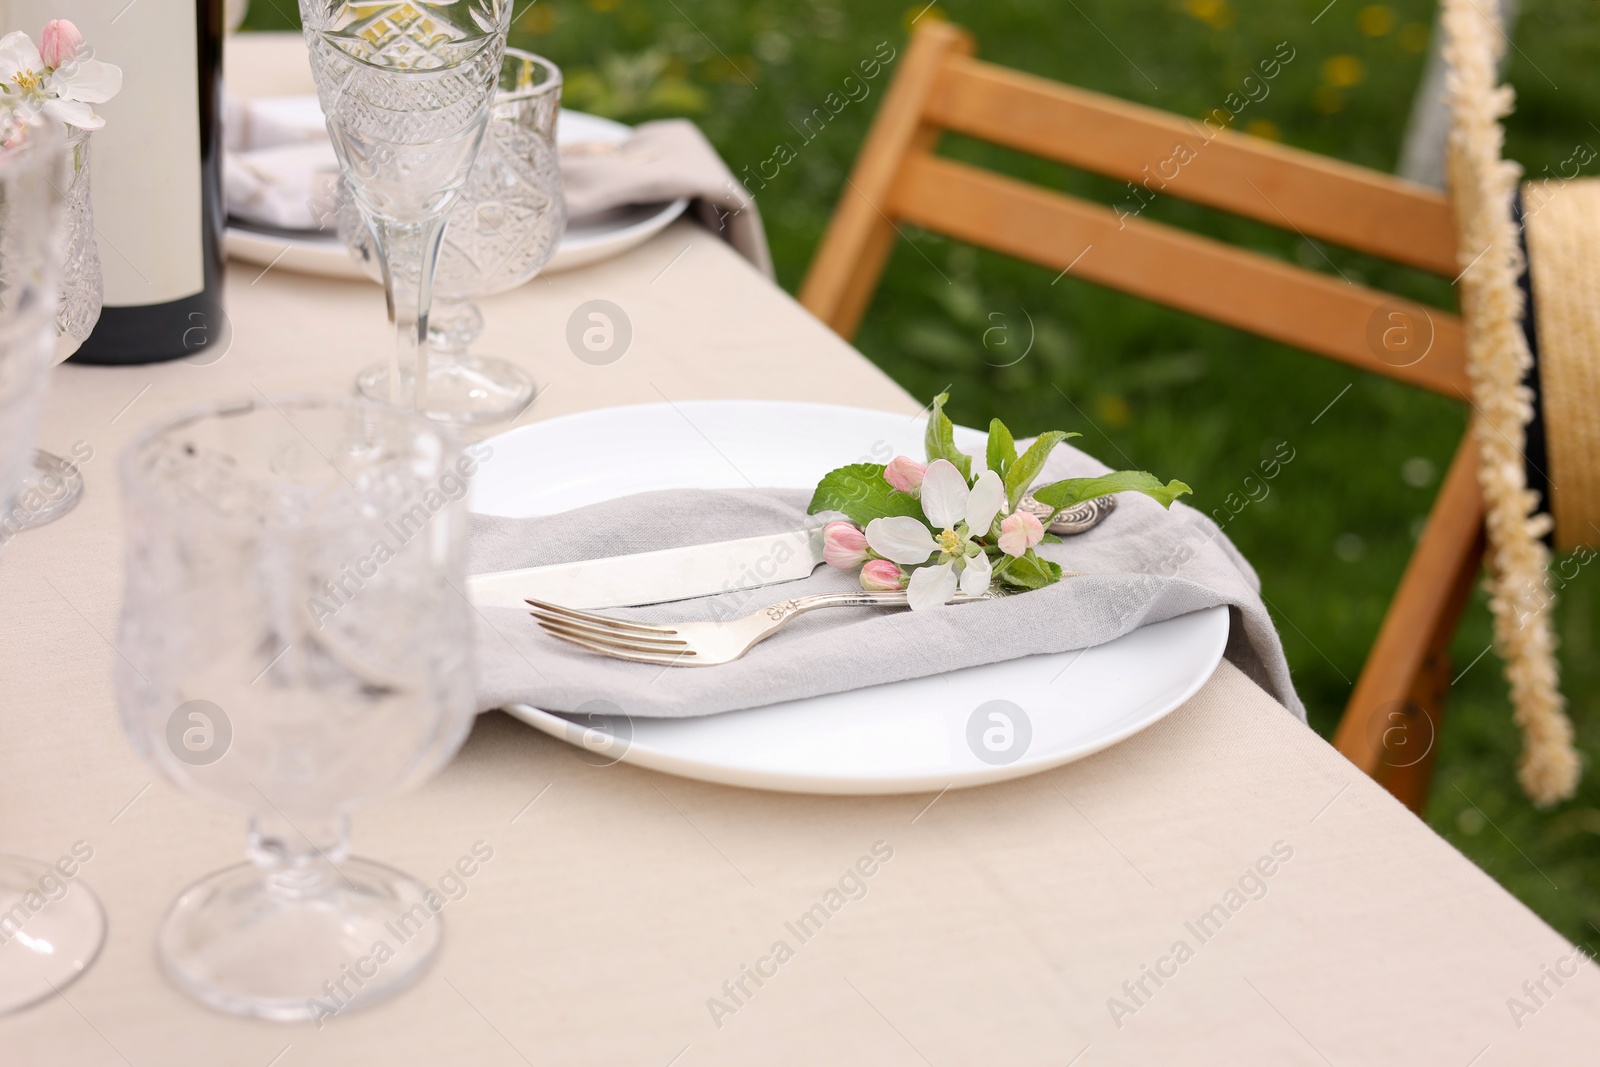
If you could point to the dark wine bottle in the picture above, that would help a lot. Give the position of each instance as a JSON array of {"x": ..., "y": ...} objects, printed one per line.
[{"x": 156, "y": 178}]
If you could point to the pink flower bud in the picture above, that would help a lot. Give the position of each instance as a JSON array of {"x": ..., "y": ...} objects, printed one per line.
[
  {"x": 843, "y": 545},
  {"x": 59, "y": 43},
  {"x": 904, "y": 473},
  {"x": 1020, "y": 531},
  {"x": 880, "y": 576}
]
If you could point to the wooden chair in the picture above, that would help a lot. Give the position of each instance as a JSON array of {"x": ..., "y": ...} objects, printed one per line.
[{"x": 1396, "y": 707}]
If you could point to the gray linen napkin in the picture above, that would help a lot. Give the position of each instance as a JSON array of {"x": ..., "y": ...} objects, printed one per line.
[
  {"x": 663, "y": 161},
  {"x": 1141, "y": 565}
]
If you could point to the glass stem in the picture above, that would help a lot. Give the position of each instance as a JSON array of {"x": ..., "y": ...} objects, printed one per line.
[
  {"x": 299, "y": 856},
  {"x": 453, "y": 325},
  {"x": 408, "y": 252}
]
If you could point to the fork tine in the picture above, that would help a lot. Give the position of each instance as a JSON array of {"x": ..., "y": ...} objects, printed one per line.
[
  {"x": 618, "y": 653},
  {"x": 665, "y": 644},
  {"x": 616, "y": 640},
  {"x": 602, "y": 620},
  {"x": 614, "y": 653}
]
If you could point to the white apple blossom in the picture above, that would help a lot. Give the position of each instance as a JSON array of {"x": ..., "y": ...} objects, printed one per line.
[
  {"x": 959, "y": 514},
  {"x": 29, "y": 87}
]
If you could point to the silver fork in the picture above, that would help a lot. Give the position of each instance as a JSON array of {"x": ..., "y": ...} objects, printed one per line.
[{"x": 700, "y": 644}]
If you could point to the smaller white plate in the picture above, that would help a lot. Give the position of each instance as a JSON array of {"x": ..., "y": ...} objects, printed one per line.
[{"x": 586, "y": 241}]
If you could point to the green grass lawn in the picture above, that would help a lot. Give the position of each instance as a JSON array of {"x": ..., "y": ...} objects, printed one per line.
[{"x": 1149, "y": 387}]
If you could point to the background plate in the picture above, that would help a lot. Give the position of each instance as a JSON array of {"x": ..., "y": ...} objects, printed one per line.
[
  {"x": 275, "y": 64},
  {"x": 902, "y": 737}
]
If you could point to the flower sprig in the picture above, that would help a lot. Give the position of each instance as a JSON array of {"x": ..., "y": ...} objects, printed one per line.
[
  {"x": 55, "y": 78},
  {"x": 936, "y": 529}
]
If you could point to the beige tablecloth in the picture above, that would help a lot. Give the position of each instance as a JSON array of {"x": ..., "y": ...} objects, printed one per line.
[{"x": 624, "y": 913}]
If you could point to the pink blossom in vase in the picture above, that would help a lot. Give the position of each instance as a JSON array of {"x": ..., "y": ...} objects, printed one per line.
[{"x": 59, "y": 43}]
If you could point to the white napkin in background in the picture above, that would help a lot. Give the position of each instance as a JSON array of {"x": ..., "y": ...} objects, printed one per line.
[
  {"x": 278, "y": 166},
  {"x": 279, "y": 170},
  {"x": 271, "y": 120}
]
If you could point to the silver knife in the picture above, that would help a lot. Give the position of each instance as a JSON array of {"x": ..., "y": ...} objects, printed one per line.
[{"x": 656, "y": 577}]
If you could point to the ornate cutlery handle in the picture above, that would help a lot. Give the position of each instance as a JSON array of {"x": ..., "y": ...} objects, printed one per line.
[{"x": 1080, "y": 518}]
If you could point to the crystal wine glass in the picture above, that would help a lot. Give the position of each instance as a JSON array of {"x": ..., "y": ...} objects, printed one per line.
[
  {"x": 51, "y": 925},
  {"x": 504, "y": 226},
  {"x": 406, "y": 89},
  {"x": 295, "y": 648}
]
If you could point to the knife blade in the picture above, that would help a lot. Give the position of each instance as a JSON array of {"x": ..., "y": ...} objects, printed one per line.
[{"x": 656, "y": 577}]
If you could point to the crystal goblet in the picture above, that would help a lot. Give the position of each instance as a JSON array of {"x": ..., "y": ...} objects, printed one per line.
[
  {"x": 51, "y": 925},
  {"x": 505, "y": 225},
  {"x": 406, "y": 89},
  {"x": 295, "y": 648}
]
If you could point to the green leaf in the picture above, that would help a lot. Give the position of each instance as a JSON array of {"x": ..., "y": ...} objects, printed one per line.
[
  {"x": 1070, "y": 491},
  {"x": 941, "y": 439},
  {"x": 861, "y": 493},
  {"x": 1026, "y": 469},
  {"x": 1002, "y": 448},
  {"x": 1028, "y": 571}
]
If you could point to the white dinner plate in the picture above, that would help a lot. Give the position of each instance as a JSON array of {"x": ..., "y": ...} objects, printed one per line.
[
  {"x": 586, "y": 240},
  {"x": 921, "y": 735}
]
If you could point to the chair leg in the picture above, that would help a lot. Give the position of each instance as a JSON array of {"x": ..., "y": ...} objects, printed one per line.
[
  {"x": 1412, "y": 747},
  {"x": 1409, "y": 660}
]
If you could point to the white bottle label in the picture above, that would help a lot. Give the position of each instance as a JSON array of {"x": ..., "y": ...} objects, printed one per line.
[{"x": 145, "y": 163}]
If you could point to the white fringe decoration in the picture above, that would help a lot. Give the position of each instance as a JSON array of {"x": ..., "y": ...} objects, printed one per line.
[{"x": 1482, "y": 186}]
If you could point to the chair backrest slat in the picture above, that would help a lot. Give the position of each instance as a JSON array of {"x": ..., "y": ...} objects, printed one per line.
[
  {"x": 1199, "y": 160},
  {"x": 1169, "y": 266},
  {"x": 940, "y": 86}
]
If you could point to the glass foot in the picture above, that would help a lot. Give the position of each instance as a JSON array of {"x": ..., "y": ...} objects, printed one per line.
[
  {"x": 466, "y": 390},
  {"x": 51, "y": 488},
  {"x": 51, "y": 929},
  {"x": 298, "y": 946}
]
